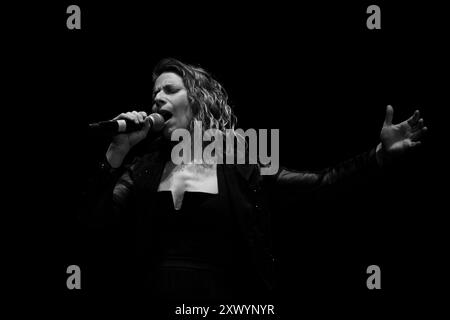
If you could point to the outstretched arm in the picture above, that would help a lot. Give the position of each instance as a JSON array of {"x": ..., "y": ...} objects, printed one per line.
[
  {"x": 359, "y": 165},
  {"x": 396, "y": 139}
]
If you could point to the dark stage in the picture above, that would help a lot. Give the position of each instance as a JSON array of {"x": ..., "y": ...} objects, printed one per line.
[{"x": 316, "y": 73}]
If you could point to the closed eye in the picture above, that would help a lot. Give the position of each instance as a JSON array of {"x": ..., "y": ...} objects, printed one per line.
[{"x": 168, "y": 89}]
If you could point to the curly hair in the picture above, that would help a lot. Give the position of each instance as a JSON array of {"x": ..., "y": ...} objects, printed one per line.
[{"x": 208, "y": 99}]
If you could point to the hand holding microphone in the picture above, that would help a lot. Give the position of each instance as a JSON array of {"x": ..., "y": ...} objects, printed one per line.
[{"x": 129, "y": 129}]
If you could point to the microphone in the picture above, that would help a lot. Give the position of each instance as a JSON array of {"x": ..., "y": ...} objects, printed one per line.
[{"x": 113, "y": 127}]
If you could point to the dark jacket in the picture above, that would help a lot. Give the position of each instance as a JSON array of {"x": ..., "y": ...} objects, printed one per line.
[{"x": 241, "y": 187}]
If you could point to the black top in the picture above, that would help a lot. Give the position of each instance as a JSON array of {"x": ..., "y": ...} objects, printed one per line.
[
  {"x": 200, "y": 233},
  {"x": 200, "y": 252}
]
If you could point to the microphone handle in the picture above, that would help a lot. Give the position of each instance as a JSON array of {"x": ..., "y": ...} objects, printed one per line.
[{"x": 112, "y": 127}]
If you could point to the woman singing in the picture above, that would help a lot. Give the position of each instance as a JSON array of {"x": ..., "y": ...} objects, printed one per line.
[{"x": 202, "y": 230}]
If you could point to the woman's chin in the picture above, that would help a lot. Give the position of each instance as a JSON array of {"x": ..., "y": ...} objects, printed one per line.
[
  {"x": 169, "y": 129},
  {"x": 167, "y": 132}
]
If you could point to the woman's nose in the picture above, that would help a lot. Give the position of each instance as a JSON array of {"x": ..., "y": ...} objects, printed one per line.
[{"x": 159, "y": 102}]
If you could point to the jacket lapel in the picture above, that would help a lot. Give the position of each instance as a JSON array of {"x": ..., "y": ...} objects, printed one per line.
[{"x": 235, "y": 183}]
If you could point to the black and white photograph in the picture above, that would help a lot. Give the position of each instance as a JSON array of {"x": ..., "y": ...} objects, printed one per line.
[{"x": 260, "y": 160}]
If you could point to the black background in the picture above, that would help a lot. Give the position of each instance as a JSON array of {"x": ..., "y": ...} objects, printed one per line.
[{"x": 313, "y": 71}]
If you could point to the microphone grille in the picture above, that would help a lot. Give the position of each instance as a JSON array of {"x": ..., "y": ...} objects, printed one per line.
[{"x": 159, "y": 119}]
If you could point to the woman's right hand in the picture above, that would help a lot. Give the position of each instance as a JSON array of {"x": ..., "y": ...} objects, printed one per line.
[{"x": 122, "y": 143}]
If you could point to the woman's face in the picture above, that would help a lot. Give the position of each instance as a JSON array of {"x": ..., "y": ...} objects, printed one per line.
[{"x": 170, "y": 94}]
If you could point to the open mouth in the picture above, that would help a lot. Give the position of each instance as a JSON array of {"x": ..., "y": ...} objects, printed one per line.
[{"x": 166, "y": 114}]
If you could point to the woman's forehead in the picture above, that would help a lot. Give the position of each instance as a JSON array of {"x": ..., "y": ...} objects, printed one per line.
[{"x": 168, "y": 78}]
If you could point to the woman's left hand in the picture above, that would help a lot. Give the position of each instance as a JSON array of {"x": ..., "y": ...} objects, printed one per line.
[{"x": 398, "y": 138}]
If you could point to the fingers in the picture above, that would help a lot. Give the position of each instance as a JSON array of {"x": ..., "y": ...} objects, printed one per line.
[
  {"x": 409, "y": 144},
  {"x": 146, "y": 121},
  {"x": 136, "y": 117},
  {"x": 416, "y": 135},
  {"x": 127, "y": 116},
  {"x": 418, "y": 126},
  {"x": 389, "y": 115},
  {"x": 413, "y": 144},
  {"x": 144, "y": 114},
  {"x": 412, "y": 121}
]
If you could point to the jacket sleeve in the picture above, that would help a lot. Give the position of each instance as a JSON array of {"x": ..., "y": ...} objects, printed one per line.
[
  {"x": 360, "y": 166},
  {"x": 108, "y": 195}
]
